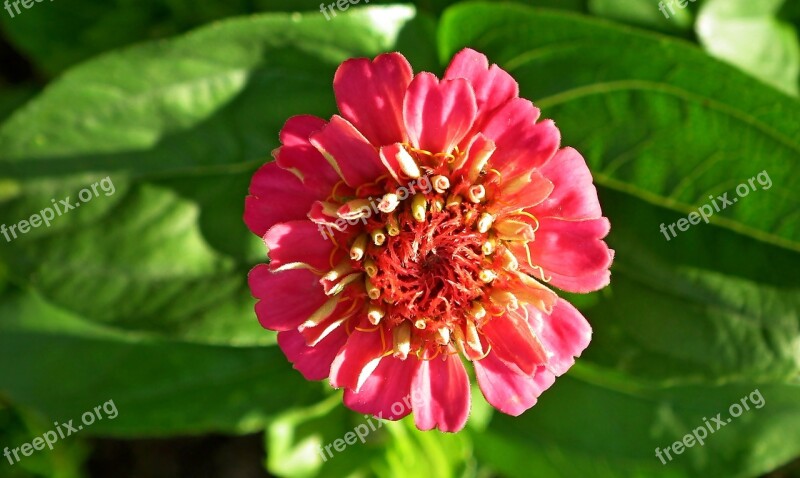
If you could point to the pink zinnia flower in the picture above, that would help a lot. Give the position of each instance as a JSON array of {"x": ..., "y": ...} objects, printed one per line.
[{"x": 425, "y": 224}]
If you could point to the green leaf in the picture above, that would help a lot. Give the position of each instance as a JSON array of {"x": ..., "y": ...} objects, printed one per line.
[
  {"x": 178, "y": 128},
  {"x": 609, "y": 427},
  {"x": 711, "y": 312},
  {"x": 749, "y": 35},
  {"x": 19, "y": 426},
  {"x": 654, "y": 126},
  {"x": 63, "y": 366},
  {"x": 81, "y": 29},
  {"x": 645, "y": 13},
  {"x": 328, "y": 440}
]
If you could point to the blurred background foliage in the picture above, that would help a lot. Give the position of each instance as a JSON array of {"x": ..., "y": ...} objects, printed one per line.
[{"x": 140, "y": 297}]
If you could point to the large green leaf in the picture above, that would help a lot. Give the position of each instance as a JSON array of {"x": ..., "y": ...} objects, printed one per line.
[
  {"x": 62, "y": 366},
  {"x": 609, "y": 427},
  {"x": 749, "y": 35},
  {"x": 328, "y": 440},
  {"x": 178, "y": 127},
  {"x": 81, "y": 29},
  {"x": 718, "y": 303}
]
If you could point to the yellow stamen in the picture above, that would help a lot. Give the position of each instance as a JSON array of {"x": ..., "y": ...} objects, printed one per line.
[
  {"x": 388, "y": 203},
  {"x": 440, "y": 183},
  {"x": 321, "y": 314},
  {"x": 375, "y": 314},
  {"x": 407, "y": 164},
  {"x": 485, "y": 222},
  {"x": 391, "y": 226},
  {"x": 477, "y": 311},
  {"x": 340, "y": 270},
  {"x": 443, "y": 336},
  {"x": 358, "y": 247},
  {"x": 373, "y": 292},
  {"x": 453, "y": 200},
  {"x": 370, "y": 267},
  {"x": 487, "y": 275},
  {"x": 418, "y": 207},
  {"x": 378, "y": 237},
  {"x": 476, "y": 193},
  {"x": 401, "y": 336}
]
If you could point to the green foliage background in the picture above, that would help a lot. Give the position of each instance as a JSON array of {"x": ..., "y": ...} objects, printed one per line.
[{"x": 140, "y": 297}]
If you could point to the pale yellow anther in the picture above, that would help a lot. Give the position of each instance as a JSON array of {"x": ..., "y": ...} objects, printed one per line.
[
  {"x": 509, "y": 260},
  {"x": 378, "y": 237},
  {"x": 443, "y": 336},
  {"x": 440, "y": 183},
  {"x": 420, "y": 323},
  {"x": 392, "y": 227},
  {"x": 373, "y": 292},
  {"x": 458, "y": 339},
  {"x": 485, "y": 222},
  {"x": 322, "y": 313},
  {"x": 375, "y": 314},
  {"x": 340, "y": 270},
  {"x": 477, "y": 311},
  {"x": 388, "y": 203},
  {"x": 469, "y": 216},
  {"x": 476, "y": 193},
  {"x": 488, "y": 247},
  {"x": 370, "y": 268},
  {"x": 407, "y": 164},
  {"x": 437, "y": 205},
  {"x": 473, "y": 340},
  {"x": 358, "y": 248},
  {"x": 401, "y": 337},
  {"x": 487, "y": 275},
  {"x": 419, "y": 207},
  {"x": 355, "y": 209},
  {"x": 504, "y": 299},
  {"x": 453, "y": 200}
]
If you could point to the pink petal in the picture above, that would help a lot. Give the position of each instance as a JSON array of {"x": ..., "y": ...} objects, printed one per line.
[
  {"x": 443, "y": 386},
  {"x": 389, "y": 385},
  {"x": 287, "y": 298},
  {"x": 514, "y": 342},
  {"x": 570, "y": 248},
  {"x": 526, "y": 191},
  {"x": 565, "y": 333},
  {"x": 349, "y": 152},
  {"x": 522, "y": 144},
  {"x": 359, "y": 357},
  {"x": 313, "y": 362},
  {"x": 574, "y": 195},
  {"x": 276, "y": 195},
  {"x": 508, "y": 390},
  {"x": 370, "y": 95},
  {"x": 298, "y": 241},
  {"x": 478, "y": 153},
  {"x": 493, "y": 86},
  {"x": 438, "y": 114},
  {"x": 299, "y": 156},
  {"x": 588, "y": 282}
]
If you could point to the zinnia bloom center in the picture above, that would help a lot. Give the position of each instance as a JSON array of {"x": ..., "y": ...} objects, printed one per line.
[{"x": 429, "y": 256}]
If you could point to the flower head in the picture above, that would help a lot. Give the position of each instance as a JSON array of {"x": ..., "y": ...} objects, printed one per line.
[{"x": 426, "y": 223}]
